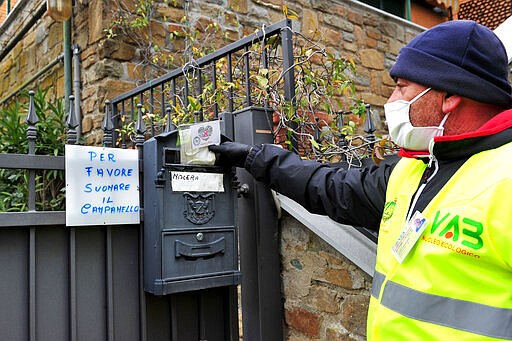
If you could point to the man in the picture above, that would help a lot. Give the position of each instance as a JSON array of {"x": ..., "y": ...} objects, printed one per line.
[{"x": 444, "y": 260}]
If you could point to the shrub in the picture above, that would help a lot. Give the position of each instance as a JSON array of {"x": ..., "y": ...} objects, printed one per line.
[{"x": 50, "y": 141}]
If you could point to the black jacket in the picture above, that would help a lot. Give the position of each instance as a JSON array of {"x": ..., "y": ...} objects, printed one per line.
[{"x": 357, "y": 196}]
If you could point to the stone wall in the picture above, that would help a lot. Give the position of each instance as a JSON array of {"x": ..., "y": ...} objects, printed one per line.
[
  {"x": 33, "y": 51},
  {"x": 325, "y": 295}
]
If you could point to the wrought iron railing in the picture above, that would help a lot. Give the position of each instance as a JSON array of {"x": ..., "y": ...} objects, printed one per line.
[{"x": 160, "y": 97}]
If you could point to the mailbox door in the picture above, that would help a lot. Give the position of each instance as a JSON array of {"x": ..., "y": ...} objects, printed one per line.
[{"x": 198, "y": 253}]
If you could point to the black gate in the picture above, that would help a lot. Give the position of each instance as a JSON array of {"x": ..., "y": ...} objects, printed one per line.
[{"x": 65, "y": 283}]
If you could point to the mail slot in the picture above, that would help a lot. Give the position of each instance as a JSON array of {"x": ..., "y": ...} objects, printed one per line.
[
  {"x": 190, "y": 237},
  {"x": 200, "y": 250}
]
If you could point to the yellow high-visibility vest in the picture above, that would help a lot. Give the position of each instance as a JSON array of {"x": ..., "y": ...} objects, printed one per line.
[{"x": 456, "y": 282}]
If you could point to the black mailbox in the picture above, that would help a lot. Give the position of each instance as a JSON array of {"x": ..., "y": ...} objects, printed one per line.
[{"x": 190, "y": 238}]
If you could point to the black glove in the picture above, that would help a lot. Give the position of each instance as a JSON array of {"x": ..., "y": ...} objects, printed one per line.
[{"x": 231, "y": 153}]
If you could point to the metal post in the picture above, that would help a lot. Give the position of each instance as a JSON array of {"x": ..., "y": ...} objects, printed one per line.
[
  {"x": 230, "y": 80},
  {"x": 67, "y": 63},
  {"x": 288, "y": 62},
  {"x": 247, "y": 69},
  {"x": 77, "y": 89},
  {"x": 169, "y": 126},
  {"x": 214, "y": 90},
  {"x": 32, "y": 136},
  {"x": 32, "y": 119},
  {"x": 259, "y": 242},
  {"x": 151, "y": 110},
  {"x": 139, "y": 142},
  {"x": 288, "y": 76}
]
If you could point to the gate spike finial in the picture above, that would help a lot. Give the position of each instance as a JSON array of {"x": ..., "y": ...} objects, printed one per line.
[
  {"x": 71, "y": 122},
  {"x": 141, "y": 125},
  {"x": 169, "y": 126},
  {"x": 32, "y": 118},
  {"x": 369, "y": 125},
  {"x": 107, "y": 120},
  {"x": 31, "y": 122},
  {"x": 108, "y": 126}
]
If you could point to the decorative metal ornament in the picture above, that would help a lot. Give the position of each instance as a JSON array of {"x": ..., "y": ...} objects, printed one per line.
[{"x": 199, "y": 208}]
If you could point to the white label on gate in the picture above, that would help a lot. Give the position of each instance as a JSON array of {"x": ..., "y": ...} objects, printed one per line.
[{"x": 197, "y": 182}]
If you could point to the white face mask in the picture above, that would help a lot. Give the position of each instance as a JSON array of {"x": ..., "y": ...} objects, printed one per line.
[{"x": 402, "y": 132}]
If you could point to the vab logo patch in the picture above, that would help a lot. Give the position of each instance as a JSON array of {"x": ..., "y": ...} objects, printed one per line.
[
  {"x": 458, "y": 234},
  {"x": 389, "y": 209},
  {"x": 463, "y": 230}
]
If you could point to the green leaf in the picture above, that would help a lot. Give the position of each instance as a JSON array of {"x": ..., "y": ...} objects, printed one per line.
[
  {"x": 262, "y": 81},
  {"x": 314, "y": 143}
]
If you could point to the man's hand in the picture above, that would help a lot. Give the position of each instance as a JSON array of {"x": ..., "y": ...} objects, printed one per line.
[{"x": 231, "y": 153}]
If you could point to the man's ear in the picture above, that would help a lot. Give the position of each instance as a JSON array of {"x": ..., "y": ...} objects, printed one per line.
[{"x": 450, "y": 102}]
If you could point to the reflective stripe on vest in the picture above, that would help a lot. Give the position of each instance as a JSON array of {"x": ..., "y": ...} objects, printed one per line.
[
  {"x": 378, "y": 279},
  {"x": 477, "y": 318}
]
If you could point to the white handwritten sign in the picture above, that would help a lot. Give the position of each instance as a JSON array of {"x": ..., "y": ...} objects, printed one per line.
[
  {"x": 197, "y": 182},
  {"x": 102, "y": 186}
]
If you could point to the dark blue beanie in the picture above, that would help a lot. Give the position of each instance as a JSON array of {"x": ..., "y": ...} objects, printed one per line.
[{"x": 460, "y": 57}]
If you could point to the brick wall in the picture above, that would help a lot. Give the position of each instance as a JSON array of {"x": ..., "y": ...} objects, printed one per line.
[{"x": 5, "y": 8}]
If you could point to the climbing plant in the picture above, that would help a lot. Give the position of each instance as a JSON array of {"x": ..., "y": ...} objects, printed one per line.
[{"x": 323, "y": 119}]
